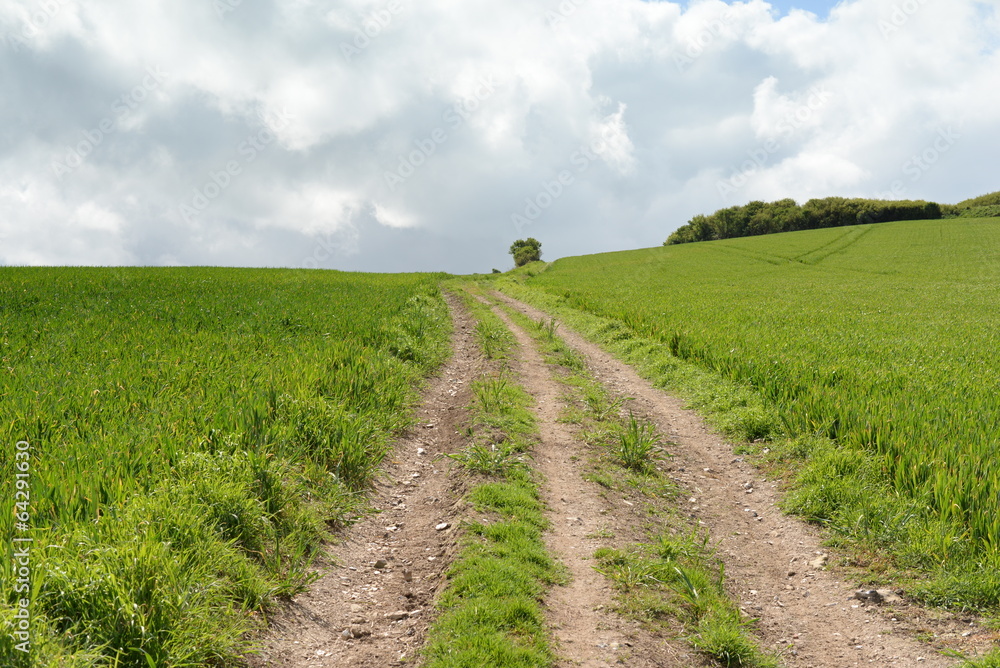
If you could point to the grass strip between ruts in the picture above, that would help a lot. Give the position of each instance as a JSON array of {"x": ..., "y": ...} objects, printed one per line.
[{"x": 491, "y": 612}]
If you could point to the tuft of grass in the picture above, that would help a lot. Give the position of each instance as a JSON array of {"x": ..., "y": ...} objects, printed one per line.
[
  {"x": 990, "y": 660},
  {"x": 500, "y": 406},
  {"x": 493, "y": 459},
  {"x": 720, "y": 636},
  {"x": 492, "y": 394},
  {"x": 601, "y": 405},
  {"x": 636, "y": 444},
  {"x": 494, "y": 339},
  {"x": 547, "y": 329},
  {"x": 678, "y": 577}
]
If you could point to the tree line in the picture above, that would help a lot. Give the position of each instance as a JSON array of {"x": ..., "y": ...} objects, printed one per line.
[{"x": 786, "y": 215}]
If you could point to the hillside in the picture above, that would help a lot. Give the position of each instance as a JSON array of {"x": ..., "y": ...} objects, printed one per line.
[{"x": 873, "y": 351}]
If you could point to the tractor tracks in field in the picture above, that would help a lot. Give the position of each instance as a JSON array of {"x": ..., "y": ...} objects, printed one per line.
[{"x": 375, "y": 601}]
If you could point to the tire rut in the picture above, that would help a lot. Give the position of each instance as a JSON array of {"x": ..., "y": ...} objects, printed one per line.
[{"x": 374, "y": 602}]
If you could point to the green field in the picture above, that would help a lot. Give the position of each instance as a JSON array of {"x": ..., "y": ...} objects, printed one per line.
[
  {"x": 193, "y": 433},
  {"x": 876, "y": 351}
]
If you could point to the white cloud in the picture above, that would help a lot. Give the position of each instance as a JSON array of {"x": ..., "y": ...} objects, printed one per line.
[
  {"x": 610, "y": 135},
  {"x": 390, "y": 218},
  {"x": 287, "y": 136},
  {"x": 91, "y": 216},
  {"x": 311, "y": 208}
]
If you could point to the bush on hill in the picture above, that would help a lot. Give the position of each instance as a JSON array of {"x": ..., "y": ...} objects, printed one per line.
[{"x": 525, "y": 251}]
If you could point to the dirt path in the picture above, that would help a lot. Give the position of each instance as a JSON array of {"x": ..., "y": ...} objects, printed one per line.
[
  {"x": 372, "y": 606},
  {"x": 587, "y": 633},
  {"x": 807, "y": 612}
]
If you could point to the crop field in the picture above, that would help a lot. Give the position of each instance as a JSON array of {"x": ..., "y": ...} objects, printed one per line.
[
  {"x": 179, "y": 442},
  {"x": 876, "y": 350},
  {"x": 190, "y": 434}
]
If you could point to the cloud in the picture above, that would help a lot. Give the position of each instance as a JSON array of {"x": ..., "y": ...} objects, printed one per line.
[
  {"x": 392, "y": 134},
  {"x": 396, "y": 219}
]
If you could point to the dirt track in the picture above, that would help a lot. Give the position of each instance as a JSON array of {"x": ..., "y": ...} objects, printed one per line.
[
  {"x": 580, "y": 613},
  {"x": 806, "y": 611}
]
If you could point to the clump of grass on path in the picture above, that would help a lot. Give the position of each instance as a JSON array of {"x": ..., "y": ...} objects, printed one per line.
[{"x": 636, "y": 444}]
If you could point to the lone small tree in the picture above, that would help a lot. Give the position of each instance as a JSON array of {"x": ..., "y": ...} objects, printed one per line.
[{"x": 525, "y": 251}]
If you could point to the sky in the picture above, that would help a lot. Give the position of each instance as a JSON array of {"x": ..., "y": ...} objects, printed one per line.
[
  {"x": 406, "y": 135},
  {"x": 821, "y": 8}
]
